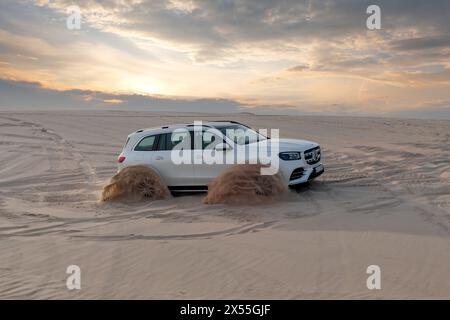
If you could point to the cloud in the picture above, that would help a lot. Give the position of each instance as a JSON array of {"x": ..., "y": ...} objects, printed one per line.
[
  {"x": 275, "y": 52},
  {"x": 32, "y": 95},
  {"x": 203, "y": 25},
  {"x": 298, "y": 68},
  {"x": 20, "y": 95},
  {"x": 422, "y": 43},
  {"x": 114, "y": 101}
]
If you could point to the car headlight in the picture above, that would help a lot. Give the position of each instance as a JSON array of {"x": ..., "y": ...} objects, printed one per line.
[{"x": 290, "y": 155}]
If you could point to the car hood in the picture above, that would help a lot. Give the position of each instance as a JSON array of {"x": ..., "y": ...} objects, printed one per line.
[{"x": 292, "y": 144}]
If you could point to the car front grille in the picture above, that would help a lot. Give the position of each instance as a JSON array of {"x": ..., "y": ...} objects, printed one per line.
[
  {"x": 297, "y": 174},
  {"x": 312, "y": 156}
]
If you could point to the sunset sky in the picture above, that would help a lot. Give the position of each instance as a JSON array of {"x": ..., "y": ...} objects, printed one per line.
[{"x": 310, "y": 56}]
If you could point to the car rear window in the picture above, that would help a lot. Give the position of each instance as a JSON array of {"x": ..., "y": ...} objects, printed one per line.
[{"x": 147, "y": 144}]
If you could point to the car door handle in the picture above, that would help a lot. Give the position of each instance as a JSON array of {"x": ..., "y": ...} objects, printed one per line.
[{"x": 159, "y": 158}]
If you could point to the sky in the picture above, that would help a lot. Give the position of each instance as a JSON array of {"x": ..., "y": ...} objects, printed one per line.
[{"x": 283, "y": 56}]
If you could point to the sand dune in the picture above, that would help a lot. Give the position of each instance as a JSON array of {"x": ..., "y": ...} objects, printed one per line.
[{"x": 384, "y": 200}]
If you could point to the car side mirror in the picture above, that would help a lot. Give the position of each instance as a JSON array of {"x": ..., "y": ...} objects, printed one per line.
[{"x": 222, "y": 147}]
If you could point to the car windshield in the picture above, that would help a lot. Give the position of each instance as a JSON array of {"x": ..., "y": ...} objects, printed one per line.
[{"x": 241, "y": 134}]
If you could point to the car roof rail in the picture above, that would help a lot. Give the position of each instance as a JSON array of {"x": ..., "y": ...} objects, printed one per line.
[
  {"x": 203, "y": 125},
  {"x": 168, "y": 126},
  {"x": 231, "y": 121},
  {"x": 206, "y": 125}
]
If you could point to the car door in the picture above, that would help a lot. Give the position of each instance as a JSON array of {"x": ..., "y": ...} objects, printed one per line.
[
  {"x": 173, "y": 173},
  {"x": 205, "y": 172}
]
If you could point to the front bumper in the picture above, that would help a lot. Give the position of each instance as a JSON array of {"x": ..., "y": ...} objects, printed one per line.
[{"x": 308, "y": 175}]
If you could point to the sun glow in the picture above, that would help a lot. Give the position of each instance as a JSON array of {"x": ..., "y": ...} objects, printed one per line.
[{"x": 145, "y": 86}]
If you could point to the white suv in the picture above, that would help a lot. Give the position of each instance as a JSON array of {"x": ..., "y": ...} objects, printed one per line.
[{"x": 298, "y": 161}]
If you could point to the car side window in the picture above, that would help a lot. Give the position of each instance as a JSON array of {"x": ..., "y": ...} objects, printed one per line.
[
  {"x": 174, "y": 138},
  {"x": 210, "y": 140},
  {"x": 147, "y": 144}
]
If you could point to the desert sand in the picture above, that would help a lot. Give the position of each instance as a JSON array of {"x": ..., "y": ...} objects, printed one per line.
[{"x": 384, "y": 200}]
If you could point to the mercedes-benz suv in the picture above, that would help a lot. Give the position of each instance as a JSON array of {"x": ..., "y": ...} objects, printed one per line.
[{"x": 297, "y": 161}]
